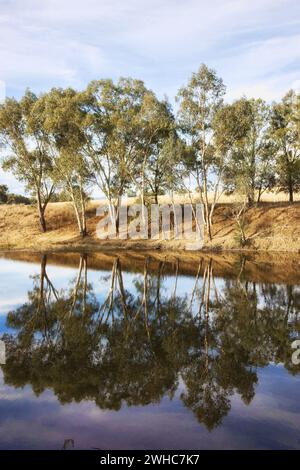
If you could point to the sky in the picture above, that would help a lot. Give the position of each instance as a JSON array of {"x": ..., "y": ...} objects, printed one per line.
[{"x": 254, "y": 45}]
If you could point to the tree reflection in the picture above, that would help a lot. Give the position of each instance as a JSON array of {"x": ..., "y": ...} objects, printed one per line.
[{"x": 136, "y": 342}]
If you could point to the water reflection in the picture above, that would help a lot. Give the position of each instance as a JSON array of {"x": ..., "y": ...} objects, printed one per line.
[{"x": 142, "y": 340}]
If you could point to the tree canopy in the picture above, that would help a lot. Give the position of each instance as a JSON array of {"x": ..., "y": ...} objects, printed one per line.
[{"x": 121, "y": 138}]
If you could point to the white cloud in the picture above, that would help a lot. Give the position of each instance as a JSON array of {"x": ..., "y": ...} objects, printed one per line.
[
  {"x": 253, "y": 44},
  {"x": 59, "y": 43},
  {"x": 266, "y": 69}
]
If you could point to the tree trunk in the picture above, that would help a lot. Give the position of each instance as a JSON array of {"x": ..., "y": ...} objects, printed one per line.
[
  {"x": 78, "y": 218},
  {"x": 289, "y": 171},
  {"x": 41, "y": 211},
  {"x": 206, "y": 208},
  {"x": 43, "y": 225},
  {"x": 117, "y": 222},
  {"x": 83, "y": 216},
  {"x": 117, "y": 214},
  {"x": 291, "y": 193},
  {"x": 42, "y": 280},
  {"x": 250, "y": 198},
  {"x": 111, "y": 210},
  {"x": 259, "y": 195},
  {"x": 83, "y": 221},
  {"x": 143, "y": 192}
]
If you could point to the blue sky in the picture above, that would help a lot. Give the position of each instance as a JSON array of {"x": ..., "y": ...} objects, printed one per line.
[{"x": 253, "y": 44}]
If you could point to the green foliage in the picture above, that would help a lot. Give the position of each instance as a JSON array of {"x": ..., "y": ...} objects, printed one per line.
[
  {"x": 63, "y": 119},
  {"x": 240, "y": 235},
  {"x": 28, "y": 155},
  {"x": 122, "y": 138},
  {"x": 18, "y": 199},
  {"x": 3, "y": 193},
  {"x": 199, "y": 101},
  {"x": 243, "y": 131},
  {"x": 11, "y": 198},
  {"x": 285, "y": 133}
]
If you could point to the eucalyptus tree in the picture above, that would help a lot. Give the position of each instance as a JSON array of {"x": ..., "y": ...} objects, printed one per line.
[
  {"x": 112, "y": 135},
  {"x": 199, "y": 101},
  {"x": 63, "y": 119},
  {"x": 158, "y": 155},
  {"x": 26, "y": 151},
  {"x": 165, "y": 167},
  {"x": 244, "y": 155},
  {"x": 225, "y": 131},
  {"x": 126, "y": 127},
  {"x": 245, "y": 132},
  {"x": 285, "y": 132}
]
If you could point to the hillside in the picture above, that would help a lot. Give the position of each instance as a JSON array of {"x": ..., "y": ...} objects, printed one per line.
[{"x": 269, "y": 227}]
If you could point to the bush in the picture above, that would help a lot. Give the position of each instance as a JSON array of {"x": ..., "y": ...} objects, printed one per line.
[
  {"x": 18, "y": 199},
  {"x": 3, "y": 193}
]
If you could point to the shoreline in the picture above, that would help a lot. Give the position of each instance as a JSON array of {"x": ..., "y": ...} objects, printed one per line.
[
  {"x": 86, "y": 248},
  {"x": 260, "y": 266}
]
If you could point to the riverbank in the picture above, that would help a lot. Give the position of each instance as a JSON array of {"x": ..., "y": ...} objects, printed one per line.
[
  {"x": 260, "y": 267},
  {"x": 269, "y": 227}
]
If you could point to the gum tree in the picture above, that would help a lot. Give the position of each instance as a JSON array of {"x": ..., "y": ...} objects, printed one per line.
[
  {"x": 285, "y": 132},
  {"x": 26, "y": 151},
  {"x": 199, "y": 101},
  {"x": 157, "y": 129},
  {"x": 244, "y": 128},
  {"x": 111, "y": 131},
  {"x": 165, "y": 170},
  {"x": 63, "y": 120}
]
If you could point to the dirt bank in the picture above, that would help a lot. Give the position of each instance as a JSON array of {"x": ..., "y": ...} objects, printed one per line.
[{"x": 269, "y": 227}]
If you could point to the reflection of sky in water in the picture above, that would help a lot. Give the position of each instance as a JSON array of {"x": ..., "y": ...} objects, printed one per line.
[
  {"x": 16, "y": 281},
  {"x": 272, "y": 420}
]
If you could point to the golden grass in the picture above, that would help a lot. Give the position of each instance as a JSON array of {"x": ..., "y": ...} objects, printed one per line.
[{"x": 272, "y": 226}]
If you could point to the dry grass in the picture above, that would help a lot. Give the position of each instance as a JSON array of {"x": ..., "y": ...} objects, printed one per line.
[
  {"x": 271, "y": 197},
  {"x": 272, "y": 226},
  {"x": 266, "y": 197}
]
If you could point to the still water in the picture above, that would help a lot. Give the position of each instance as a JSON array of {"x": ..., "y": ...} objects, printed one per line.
[{"x": 148, "y": 352}]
